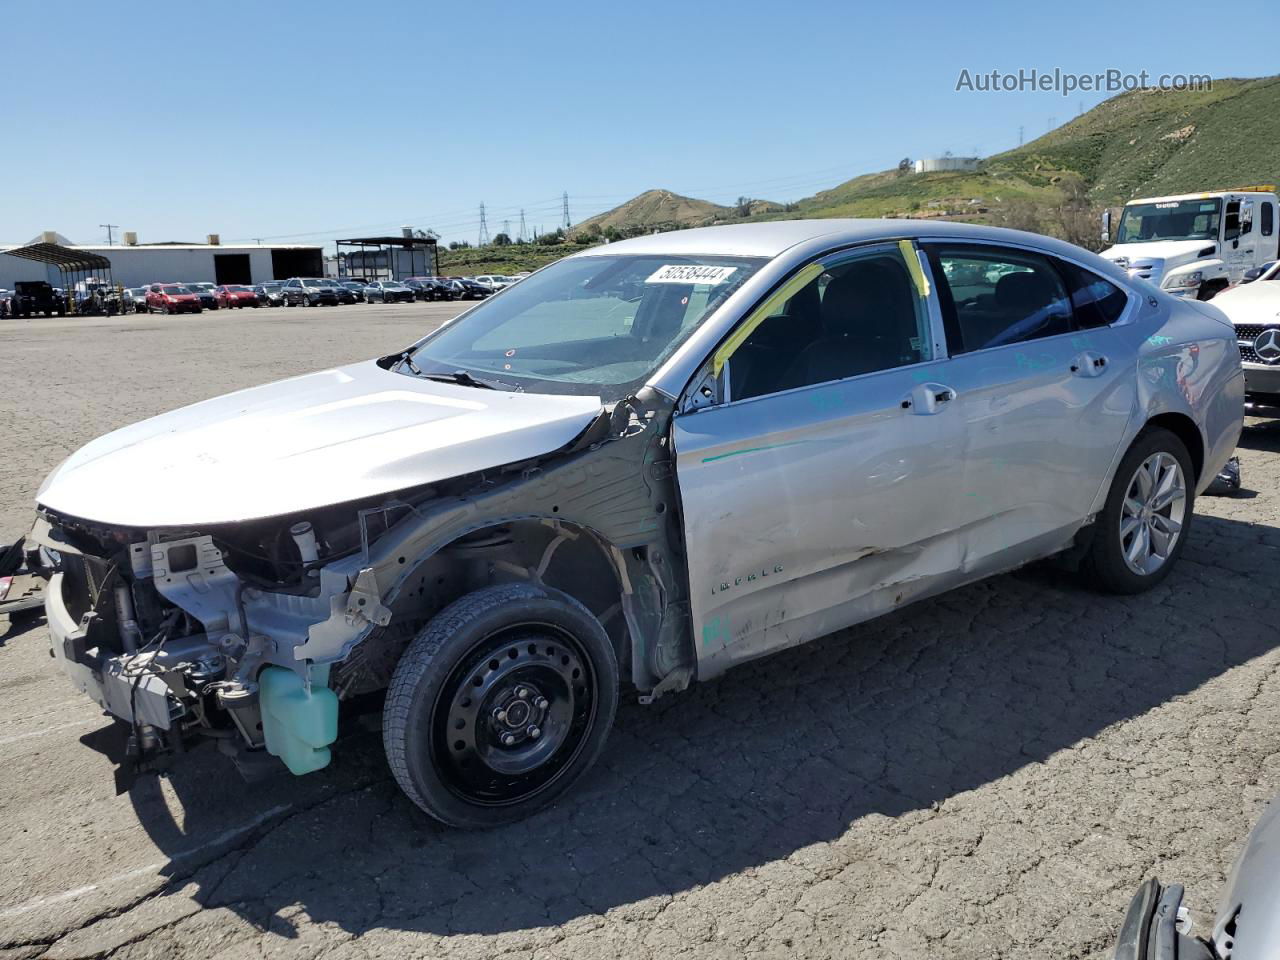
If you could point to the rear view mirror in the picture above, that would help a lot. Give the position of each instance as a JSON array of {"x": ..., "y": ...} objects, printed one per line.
[{"x": 1106, "y": 226}]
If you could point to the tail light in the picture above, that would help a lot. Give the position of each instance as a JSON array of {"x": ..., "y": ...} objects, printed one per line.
[{"x": 5, "y": 584}]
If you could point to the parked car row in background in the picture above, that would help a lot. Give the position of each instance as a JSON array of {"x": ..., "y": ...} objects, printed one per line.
[{"x": 308, "y": 292}]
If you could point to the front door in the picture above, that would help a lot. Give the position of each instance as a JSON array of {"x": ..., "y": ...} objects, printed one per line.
[{"x": 821, "y": 492}]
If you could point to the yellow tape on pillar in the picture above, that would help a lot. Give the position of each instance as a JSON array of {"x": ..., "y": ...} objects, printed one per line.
[
  {"x": 913, "y": 267},
  {"x": 766, "y": 309}
]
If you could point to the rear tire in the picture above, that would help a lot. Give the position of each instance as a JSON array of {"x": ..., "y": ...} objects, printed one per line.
[
  {"x": 500, "y": 704},
  {"x": 1143, "y": 527}
]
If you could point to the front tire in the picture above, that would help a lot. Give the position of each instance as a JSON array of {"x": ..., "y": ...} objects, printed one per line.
[
  {"x": 1143, "y": 527},
  {"x": 500, "y": 704}
]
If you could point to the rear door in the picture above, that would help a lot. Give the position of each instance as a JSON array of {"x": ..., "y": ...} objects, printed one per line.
[
  {"x": 821, "y": 491},
  {"x": 1045, "y": 378}
]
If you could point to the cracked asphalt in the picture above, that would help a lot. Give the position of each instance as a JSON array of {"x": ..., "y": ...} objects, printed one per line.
[{"x": 988, "y": 774}]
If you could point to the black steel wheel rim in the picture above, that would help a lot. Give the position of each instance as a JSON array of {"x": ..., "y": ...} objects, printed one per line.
[{"x": 513, "y": 715}]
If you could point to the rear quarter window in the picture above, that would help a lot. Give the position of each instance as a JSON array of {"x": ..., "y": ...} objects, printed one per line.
[{"x": 1096, "y": 301}]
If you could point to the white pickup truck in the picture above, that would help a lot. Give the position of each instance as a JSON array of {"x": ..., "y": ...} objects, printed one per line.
[{"x": 1196, "y": 244}]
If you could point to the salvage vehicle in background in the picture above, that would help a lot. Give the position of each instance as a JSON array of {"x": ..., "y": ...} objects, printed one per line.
[
  {"x": 468, "y": 288},
  {"x": 428, "y": 288},
  {"x": 1247, "y": 925},
  {"x": 309, "y": 292},
  {"x": 356, "y": 288},
  {"x": 206, "y": 292},
  {"x": 135, "y": 300},
  {"x": 646, "y": 463},
  {"x": 388, "y": 291},
  {"x": 1196, "y": 245},
  {"x": 172, "y": 298},
  {"x": 232, "y": 295},
  {"x": 35, "y": 296},
  {"x": 1254, "y": 311},
  {"x": 270, "y": 294}
]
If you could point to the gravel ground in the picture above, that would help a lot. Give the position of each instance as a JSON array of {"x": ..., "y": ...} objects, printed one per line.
[{"x": 989, "y": 774}]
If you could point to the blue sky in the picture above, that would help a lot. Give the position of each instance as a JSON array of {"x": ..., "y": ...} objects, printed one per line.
[{"x": 305, "y": 121}]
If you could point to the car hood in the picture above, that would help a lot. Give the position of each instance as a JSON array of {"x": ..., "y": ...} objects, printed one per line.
[
  {"x": 1257, "y": 302},
  {"x": 1180, "y": 250},
  {"x": 319, "y": 439}
]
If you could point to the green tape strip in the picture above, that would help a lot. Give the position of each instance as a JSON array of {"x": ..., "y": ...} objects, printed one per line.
[{"x": 913, "y": 267}]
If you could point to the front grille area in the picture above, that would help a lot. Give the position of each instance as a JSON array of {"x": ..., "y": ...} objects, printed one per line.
[
  {"x": 1246, "y": 333},
  {"x": 1251, "y": 331}
]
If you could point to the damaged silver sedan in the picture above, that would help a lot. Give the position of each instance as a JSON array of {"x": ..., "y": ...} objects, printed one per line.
[{"x": 637, "y": 467}]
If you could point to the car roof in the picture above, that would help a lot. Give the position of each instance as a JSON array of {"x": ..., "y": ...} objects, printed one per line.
[{"x": 771, "y": 238}]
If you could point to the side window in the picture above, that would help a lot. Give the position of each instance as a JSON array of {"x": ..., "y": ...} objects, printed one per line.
[
  {"x": 859, "y": 316},
  {"x": 1097, "y": 302},
  {"x": 1267, "y": 218},
  {"x": 993, "y": 296},
  {"x": 1231, "y": 221}
]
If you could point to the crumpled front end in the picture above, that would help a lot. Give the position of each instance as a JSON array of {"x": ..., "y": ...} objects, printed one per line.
[{"x": 226, "y": 634}]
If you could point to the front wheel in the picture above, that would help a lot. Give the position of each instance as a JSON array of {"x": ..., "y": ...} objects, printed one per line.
[
  {"x": 500, "y": 704},
  {"x": 1143, "y": 527}
]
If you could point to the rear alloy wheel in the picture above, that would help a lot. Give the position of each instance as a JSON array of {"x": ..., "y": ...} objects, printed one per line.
[
  {"x": 500, "y": 704},
  {"x": 1143, "y": 527}
]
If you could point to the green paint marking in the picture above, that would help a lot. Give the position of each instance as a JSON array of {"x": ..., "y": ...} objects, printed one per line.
[
  {"x": 713, "y": 631},
  {"x": 738, "y": 453}
]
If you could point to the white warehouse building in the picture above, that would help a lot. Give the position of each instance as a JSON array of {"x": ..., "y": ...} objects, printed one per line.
[{"x": 133, "y": 265}]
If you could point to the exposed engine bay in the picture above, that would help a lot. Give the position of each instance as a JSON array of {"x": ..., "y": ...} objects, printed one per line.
[{"x": 251, "y": 633}]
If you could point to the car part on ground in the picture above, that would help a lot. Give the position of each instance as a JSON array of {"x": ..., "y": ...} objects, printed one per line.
[
  {"x": 642, "y": 449},
  {"x": 22, "y": 582},
  {"x": 1247, "y": 924},
  {"x": 1227, "y": 482}
]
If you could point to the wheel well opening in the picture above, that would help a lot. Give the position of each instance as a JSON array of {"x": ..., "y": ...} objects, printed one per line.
[
  {"x": 1185, "y": 429},
  {"x": 551, "y": 552}
]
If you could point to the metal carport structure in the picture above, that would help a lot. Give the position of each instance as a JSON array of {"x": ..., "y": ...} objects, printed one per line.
[
  {"x": 384, "y": 258},
  {"x": 73, "y": 265}
]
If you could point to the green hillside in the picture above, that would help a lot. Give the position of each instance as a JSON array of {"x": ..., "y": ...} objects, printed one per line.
[
  {"x": 654, "y": 209},
  {"x": 1143, "y": 143}
]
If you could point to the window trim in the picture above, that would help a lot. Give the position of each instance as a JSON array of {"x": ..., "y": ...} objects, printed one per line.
[
  {"x": 1127, "y": 315},
  {"x": 815, "y": 268}
]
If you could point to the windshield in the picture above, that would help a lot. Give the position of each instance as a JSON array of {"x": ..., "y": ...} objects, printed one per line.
[
  {"x": 239, "y": 290},
  {"x": 315, "y": 283},
  {"x": 591, "y": 326},
  {"x": 173, "y": 291},
  {"x": 1170, "y": 220}
]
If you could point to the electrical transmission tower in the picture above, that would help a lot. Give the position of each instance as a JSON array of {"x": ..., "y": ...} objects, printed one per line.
[
  {"x": 110, "y": 227},
  {"x": 484, "y": 228},
  {"x": 506, "y": 228},
  {"x": 522, "y": 226},
  {"x": 566, "y": 223}
]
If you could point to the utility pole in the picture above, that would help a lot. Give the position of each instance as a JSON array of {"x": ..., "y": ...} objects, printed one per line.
[
  {"x": 566, "y": 211},
  {"x": 484, "y": 228},
  {"x": 110, "y": 226},
  {"x": 522, "y": 227}
]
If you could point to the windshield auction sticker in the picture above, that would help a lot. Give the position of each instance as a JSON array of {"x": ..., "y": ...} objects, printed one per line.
[{"x": 691, "y": 273}]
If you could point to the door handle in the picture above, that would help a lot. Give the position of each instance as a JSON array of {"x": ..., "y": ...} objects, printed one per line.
[
  {"x": 943, "y": 396},
  {"x": 928, "y": 398}
]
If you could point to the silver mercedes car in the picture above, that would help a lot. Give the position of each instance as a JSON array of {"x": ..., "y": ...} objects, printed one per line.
[{"x": 641, "y": 465}]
